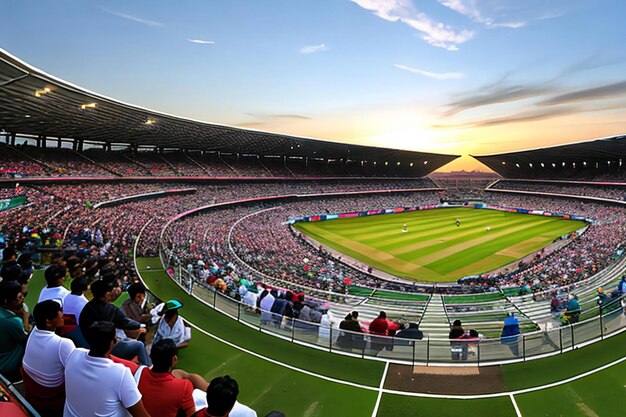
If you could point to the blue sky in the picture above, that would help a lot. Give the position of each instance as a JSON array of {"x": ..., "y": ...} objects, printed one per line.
[{"x": 449, "y": 76}]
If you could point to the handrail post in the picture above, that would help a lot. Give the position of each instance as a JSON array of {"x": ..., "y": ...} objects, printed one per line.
[
  {"x": 601, "y": 324},
  {"x": 293, "y": 329},
  {"x": 561, "y": 338},
  {"x": 330, "y": 340},
  {"x": 238, "y": 311},
  {"x": 427, "y": 351},
  {"x": 413, "y": 358},
  {"x": 524, "y": 346}
]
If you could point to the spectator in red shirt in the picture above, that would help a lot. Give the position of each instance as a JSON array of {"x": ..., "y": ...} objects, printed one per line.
[
  {"x": 379, "y": 326},
  {"x": 166, "y": 391}
]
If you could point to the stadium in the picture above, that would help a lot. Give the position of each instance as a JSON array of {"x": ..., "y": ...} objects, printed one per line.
[{"x": 268, "y": 244}]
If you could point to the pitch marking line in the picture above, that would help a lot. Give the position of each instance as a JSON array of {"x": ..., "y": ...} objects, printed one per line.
[
  {"x": 517, "y": 411},
  {"x": 380, "y": 390}
]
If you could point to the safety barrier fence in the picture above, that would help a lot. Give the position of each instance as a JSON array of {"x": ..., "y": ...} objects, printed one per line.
[{"x": 601, "y": 322}]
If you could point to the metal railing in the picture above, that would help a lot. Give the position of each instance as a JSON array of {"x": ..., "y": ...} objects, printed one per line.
[{"x": 607, "y": 321}]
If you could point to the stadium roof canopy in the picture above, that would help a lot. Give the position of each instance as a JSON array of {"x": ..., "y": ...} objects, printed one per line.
[
  {"x": 35, "y": 103},
  {"x": 593, "y": 157}
]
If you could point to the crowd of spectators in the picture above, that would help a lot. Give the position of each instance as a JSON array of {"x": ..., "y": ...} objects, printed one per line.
[
  {"x": 602, "y": 243},
  {"x": 584, "y": 190},
  {"x": 60, "y": 226}
]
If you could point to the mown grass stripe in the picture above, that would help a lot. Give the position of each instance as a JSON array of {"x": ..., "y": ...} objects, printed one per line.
[{"x": 435, "y": 249}]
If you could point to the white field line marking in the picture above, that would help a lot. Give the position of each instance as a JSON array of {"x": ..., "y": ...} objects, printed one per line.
[
  {"x": 517, "y": 411},
  {"x": 380, "y": 390},
  {"x": 517, "y": 392},
  {"x": 285, "y": 365}
]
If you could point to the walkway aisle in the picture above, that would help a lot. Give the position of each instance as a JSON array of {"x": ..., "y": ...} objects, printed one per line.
[{"x": 435, "y": 323}]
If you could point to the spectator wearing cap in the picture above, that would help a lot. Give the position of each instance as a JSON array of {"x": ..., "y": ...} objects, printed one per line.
[
  {"x": 171, "y": 325},
  {"x": 13, "y": 338},
  {"x": 168, "y": 392},
  {"x": 43, "y": 366},
  {"x": 221, "y": 399},
  {"x": 55, "y": 276},
  {"x": 97, "y": 386},
  {"x": 101, "y": 309}
]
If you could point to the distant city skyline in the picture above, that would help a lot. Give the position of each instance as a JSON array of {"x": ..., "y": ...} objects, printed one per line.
[{"x": 446, "y": 76}]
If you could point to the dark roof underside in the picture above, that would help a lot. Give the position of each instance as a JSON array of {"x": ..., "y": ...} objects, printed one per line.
[
  {"x": 600, "y": 156},
  {"x": 59, "y": 114}
]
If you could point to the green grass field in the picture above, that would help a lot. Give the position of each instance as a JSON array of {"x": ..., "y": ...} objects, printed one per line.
[
  {"x": 434, "y": 249},
  {"x": 268, "y": 385}
]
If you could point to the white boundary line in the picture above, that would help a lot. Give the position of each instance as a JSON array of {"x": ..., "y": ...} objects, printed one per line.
[
  {"x": 509, "y": 393},
  {"x": 284, "y": 365},
  {"x": 517, "y": 411},
  {"x": 380, "y": 390}
]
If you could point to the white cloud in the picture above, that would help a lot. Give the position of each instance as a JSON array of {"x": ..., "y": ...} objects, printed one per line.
[
  {"x": 201, "y": 42},
  {"x": 433, "y": 32},
  {"x": 434, "y": 75},
  {"x": 134, "y": 18},
  {"x": 470, "y": 9},
  {"x": 311, "y": 49}
]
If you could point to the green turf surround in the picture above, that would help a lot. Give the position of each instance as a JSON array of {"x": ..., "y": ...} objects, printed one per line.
[
  {"x": 601, "y": 394},
  {"x": 362, "y": 372},
  {"x": 360, "y": 291},
  {"x": 265, "y": 386},
  {"x": 544, "y": 371},
  {"x": 400, "y": 296},
  {"x": 434, "y": 249},
  {"x": 473, "y": 299},
  {"x": 398, "y": 406}
]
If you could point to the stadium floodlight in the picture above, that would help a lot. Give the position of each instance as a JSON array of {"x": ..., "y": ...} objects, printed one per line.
[
  {"x": 425, "y": 162},
  {"x": 39, "y": 93},
  {"x": 150, "y": 122},
  {"x": 411, "y": 164},
  {"x": 88, "y": 106}
]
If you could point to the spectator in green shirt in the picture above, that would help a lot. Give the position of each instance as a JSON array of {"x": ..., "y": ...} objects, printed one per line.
[{"x": 13, "y": 340}]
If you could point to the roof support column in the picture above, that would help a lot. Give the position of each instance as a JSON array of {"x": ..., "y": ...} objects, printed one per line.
[
  {"x": 59, "y": 142},
  {"x": 12, "y": 139}
]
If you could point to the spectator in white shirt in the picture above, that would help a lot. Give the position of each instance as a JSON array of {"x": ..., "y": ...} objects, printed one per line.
[
  {"x": 44, "y": 360},
  {"x": 221, "y": 397},
  {"x": 72, "y": 307},
  {"x": 95, "y": 385},
  {"x": 55, "y": 276}
]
